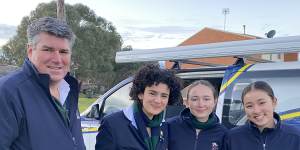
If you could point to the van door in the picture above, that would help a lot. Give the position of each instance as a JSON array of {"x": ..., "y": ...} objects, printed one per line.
[
  {"x": 285, "y": 84},
  {"x": 113, "y": 100}
]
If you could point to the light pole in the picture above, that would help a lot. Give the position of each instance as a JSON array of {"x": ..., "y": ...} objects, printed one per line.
[{"x": 225, "y": 11}]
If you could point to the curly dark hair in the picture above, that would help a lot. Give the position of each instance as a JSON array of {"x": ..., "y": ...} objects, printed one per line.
[{"x": 152, "y": 75}]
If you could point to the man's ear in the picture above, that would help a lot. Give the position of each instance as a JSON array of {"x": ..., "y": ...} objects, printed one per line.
[{"x": 29, "y": 50}]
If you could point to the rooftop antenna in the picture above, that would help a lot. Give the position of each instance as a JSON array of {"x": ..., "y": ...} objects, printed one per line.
[
  {"x": 270, "y": 34},
  {"x": 225, "y": 11}
]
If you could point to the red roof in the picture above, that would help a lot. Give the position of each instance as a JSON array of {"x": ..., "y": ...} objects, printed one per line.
[{"x": 209, "y": 35}]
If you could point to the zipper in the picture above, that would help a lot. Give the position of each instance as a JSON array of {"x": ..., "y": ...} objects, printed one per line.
[
  {"x": 264, "y": 142},
  {"x": 196, "y": 140},
  {"x": 161, "y": 143}
]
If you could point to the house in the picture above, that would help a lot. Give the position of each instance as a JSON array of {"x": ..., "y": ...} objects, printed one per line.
[
  {"x": 210, "y": 35},
  {"x": 5, "y": 69}
]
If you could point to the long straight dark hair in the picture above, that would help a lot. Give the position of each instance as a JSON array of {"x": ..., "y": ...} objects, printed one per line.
[{"x": 258, "y": 85}]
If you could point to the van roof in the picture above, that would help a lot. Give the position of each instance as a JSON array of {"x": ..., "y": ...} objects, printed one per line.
[
  {"x": 232, "y": 48},
  {"x": 276, "y": 66}
]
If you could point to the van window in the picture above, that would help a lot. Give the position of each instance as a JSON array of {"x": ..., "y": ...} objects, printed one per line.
[
  {"x": 118, "y": 100},
  {"x": 236, "y": 107},
  {"x": 286, "y": 88}
]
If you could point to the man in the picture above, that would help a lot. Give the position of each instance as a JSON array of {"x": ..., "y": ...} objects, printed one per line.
[{"x": 38, "y": 103}]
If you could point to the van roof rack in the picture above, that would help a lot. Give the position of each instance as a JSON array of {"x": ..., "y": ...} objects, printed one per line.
[
  {"x": 177, "y": 64},
  {"x": 233, "y": 48},
  {"x": 239, "y": 60},
  {"x": 185, "y": 61}
]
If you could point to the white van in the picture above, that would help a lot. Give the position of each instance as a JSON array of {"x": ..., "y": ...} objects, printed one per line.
[{"x": 284, "y": 77}]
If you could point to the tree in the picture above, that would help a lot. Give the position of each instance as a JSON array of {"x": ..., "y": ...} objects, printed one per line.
[
  {"x": 94, "y": 50},
  {"x": 60, "y": 10}
]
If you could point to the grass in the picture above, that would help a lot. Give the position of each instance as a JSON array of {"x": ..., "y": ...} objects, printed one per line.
[{"x": 84, "y": 103}]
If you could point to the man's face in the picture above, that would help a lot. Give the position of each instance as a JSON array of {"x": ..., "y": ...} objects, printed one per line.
[{"x": 51, "y": 55}]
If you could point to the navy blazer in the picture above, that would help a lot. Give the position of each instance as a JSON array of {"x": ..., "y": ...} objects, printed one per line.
[
  {"x": 29, "y": 119},
  {"x": 118, "y": 131},
  {"x": 183, "y": 136},
  {"x": 248, "y": 137}
]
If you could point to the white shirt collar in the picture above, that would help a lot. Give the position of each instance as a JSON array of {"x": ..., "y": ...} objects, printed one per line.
[{"x": 64, "y": 89}]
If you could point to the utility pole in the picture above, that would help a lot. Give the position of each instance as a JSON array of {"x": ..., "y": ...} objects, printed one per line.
[
  {"x": 61, "y": 10},
  {"x": 225, "y": 11}
]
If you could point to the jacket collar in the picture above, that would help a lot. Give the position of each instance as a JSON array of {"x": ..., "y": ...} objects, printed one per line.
[
  {"x": 128, "y": 112},
  {"x": 277, "y": 120},
  {"x": 44, "y": 79},
  {"x": 185, "y": 116}
]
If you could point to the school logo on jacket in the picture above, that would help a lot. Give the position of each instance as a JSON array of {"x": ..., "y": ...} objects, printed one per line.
[{"x": 214, "y": 146}]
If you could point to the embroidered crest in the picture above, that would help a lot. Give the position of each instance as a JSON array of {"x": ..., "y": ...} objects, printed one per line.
[{"x": 214, "y": 146}]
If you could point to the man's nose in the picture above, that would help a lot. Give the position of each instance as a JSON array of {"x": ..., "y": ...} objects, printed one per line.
[{"x": 56, "y": 55}]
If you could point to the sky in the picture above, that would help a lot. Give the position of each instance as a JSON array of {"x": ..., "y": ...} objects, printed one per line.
[{"x": 145, "y": 24}]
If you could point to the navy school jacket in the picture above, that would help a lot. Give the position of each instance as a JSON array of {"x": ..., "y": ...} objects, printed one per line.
[
  {"x": 118, "y": 131},
  {"x": 248, "y": 137},
  {"x": 182, "y": 136},
  {"x": 29, "y": 119}
]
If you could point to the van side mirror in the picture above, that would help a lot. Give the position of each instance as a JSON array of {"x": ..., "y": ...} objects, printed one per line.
[{"x": 94, "y": 113}]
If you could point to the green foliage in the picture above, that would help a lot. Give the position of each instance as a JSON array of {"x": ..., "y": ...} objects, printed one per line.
[
  {"x": 84, "y": 103},
  {"x": 14, "y": 51},
  {"x": 94, "y": 50}
]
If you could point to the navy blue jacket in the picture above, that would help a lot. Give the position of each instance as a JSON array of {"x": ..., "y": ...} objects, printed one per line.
[
  {"x": 248, "y": 137},
  {"x": 29, "y": 119},
  {"x": 183, "y": 136},
  {"x": 118, "y": 131}
]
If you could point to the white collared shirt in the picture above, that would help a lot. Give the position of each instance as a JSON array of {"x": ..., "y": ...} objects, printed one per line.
[{"x": 64, "y": 89}]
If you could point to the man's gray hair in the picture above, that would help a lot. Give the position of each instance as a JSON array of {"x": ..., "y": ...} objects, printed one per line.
[{"x": 52, "y": 26}]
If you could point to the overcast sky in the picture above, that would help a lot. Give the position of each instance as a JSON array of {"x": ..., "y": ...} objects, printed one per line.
[{"x": 167, "y": 23}]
